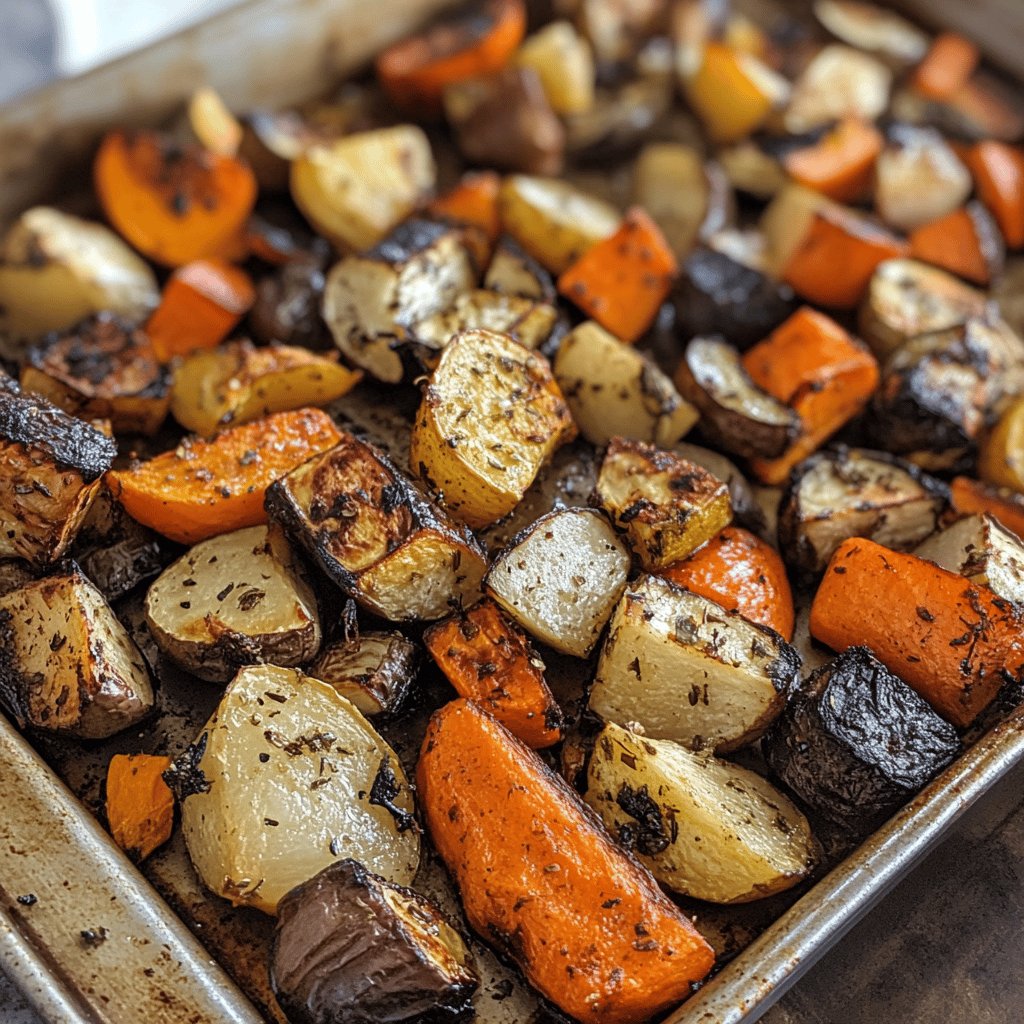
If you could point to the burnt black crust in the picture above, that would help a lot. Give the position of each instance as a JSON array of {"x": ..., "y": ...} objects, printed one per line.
[
  {"x": 383, "y": 792},
  {"x": 408, "y": 239},
  {"x": 184, "y": 777},
  {"x": 857, "y": 742}
]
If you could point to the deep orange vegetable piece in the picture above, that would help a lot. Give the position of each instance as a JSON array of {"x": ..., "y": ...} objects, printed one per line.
[
  {"x": 743, "y": 574},
  {"x": 140, "y": 806},
  {"x": 969, "y": 497},
  {"x": 474, "y": 200},
  {"x": 950, "y": 639},
  {"x": 946, "y": 67},
  {"x": 201, "y": 304},
  {"x": 622, "y": 281},
  {"x": 838, "y": 165},
  {"x": 833, "y": 263},
  {"x": 489, "y": 660},
  {"x": 954, "y": 243},
  {"x": 175, "y": 203},
  {"x": 203, "y": 488},
  {"x": 821, "y": 372},
  {"x": 998, "y": 171},
  {"x": 469, "y": 44},
  {"x": 542, "y": 881}
]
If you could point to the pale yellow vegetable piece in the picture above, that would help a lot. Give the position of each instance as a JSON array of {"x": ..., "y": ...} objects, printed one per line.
[{"x": 565, "y": 65}]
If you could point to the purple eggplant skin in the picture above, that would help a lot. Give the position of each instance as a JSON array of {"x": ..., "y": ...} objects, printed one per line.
[
  {"x": 352, "y": 948},
  {"x": 856, "y": 742}
]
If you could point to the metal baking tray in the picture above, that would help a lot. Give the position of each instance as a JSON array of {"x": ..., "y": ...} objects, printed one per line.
[{"x": 84, "y": 934}]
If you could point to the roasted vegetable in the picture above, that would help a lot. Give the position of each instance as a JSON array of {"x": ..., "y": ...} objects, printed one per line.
[
  {"x": 840, "y": 164},
  {"x": 237, "y": 383},
  {"x": 1001, "y": 453},
  {"x": 52, "y": 464},
  {"x": 491, "y": 416},
  {"x": 970, "y": 496},
  {"x": 998, "y": 172},
  {"x": 352, "y": 947},
  {"x": 375, "y": 535},
  {"x": 203, "y": 488},
  {"x": 705, "y": 828},
  {"x": 847, "y": 493},
  {"x": 373, "y": 670},
  {"x": 357, "y": 189},
  {"x": 237, "y": 599},
  {"x": 287, "y": 306},
  {"x": 633, "y": 953},
  {"x": 512, "y": 271},
  {"x": 140, "y": 807},
  {"x": 856, "y": 742},
  {"x": 966, "y": 242},
  {"x": 872, "y": 28},
  {"x": 565, "y": 63},
  {"x": 371, "y": 299},
  {"x": 472, "y": 203},
  {"x": 950, "y": 639},
  {"x": 613, "y": 390},
  {"x": 104, "y": 369},
  {"x": 947, "y": 66},
  {"x": 56, "y": 270},
  {"x": 212, "y": 123},
  {"x": 66, "y": 663},
  {"x": 838, "y": 82},
  {"x": 561, "y": 578},
  {"x": 661, "y": 640}
]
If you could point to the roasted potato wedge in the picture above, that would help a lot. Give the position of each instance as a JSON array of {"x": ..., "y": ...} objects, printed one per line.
[
  {"x": 237, "y": 383},
  {"x": 614, "y": 390},
  {"x": 373, "y": 670},
  {"x": 491, "y": 416},
  {"x": 705, "y": 828},
  {"x": 839, "y": 82},
  {"x": 375, "y": 535},
  {"x": 67, "y": 664},
  {"x": 561, "y": 578},
  {"x": 285, "y": 778},
  {"x": 662, "y": 639},
  {"x": 237, "y": 599}
]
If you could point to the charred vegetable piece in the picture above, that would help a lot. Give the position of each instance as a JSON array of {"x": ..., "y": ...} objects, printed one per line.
[
  {"x": 716, "y": 294},
  {"x": 66, "y": 663},
  {"x": 838, "y": 82},
  {"x": 633, "y": 951},
  {"x": 513, "y": 271},
  {"x": 373, "y": 670},
  {"x": 375, "y": 535},
  {"x": 856, "y": 742},
  {"x": 949, "y": 638},
  {"x": 287, "y": 306},
  {"x": 371, "y": 299},
  {"x": 855, "y": 493},
  {"x": 705, "y": 828},
  {"x": 489, "y": 660},
  {"x": 52, "y": 465},
  {"x": 258, "y": 817},
  {"x": 140, "y": 807},
  {"x": 491, "y": 416},
  {"x": 666, "y": 506},
  {"x": 351, "y": 947},
  {"x": 236, "y": 599},
  {"x": 104, "y": 369},
  {"x": 1001, "y": 452},
  {"x": 736, "y": 414},
  {"x": 685, "y": 669},
  {"x": 965, "y": 242},
  {"x": 561, "y": 578},
  {"x": 613, "y": 390}
]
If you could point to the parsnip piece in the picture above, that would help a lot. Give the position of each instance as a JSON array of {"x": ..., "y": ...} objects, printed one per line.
[{"x": 839, "y": 82}]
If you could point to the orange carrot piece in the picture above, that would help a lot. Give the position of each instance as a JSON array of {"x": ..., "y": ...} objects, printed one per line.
[
  {"x": 489, "y": 660},
  {"x": 203, "y": 488},
  {"x": 969, "y": 497},
  {"x": 474, "y": 200},
  {"x": 833, "y": 263},
  {"x": 140, "y": 806},
  {"x": 201, "y": 304},
  {"x": 743, "y": 574},
  {"x": 543, "y": 882},
  {"x": 998, "y": 171},
  {"x": 821, "y": 372},
  {"x": 622, "y": 281},
  {"x": 965, "y": 242},
  {"x": 839, "y": 165},
  {"x": 469, "y": 44},
  {"x": 947, "y": 66},
  {"x": 174, "y": 203},
  {"x": 950, "y": 639}
]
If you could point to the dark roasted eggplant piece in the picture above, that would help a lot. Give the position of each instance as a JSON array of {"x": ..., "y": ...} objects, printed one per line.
[
  {"x": 52, "y": 464},
  {"x": 856, "y": 742},
  {"x": 373, "y": 670},
  {"x": 287, "y": 307},
  {"x": 735, "y": 414},
  {"x": 715, "y": 294},
  {"x": 352, "y": 948},
  {"x": 513, "y": 271},
  {"x": 845, "y": 493}
]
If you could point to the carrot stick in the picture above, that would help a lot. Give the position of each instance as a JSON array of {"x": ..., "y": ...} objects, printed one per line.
[
  {"x": 947, "y": 66},
  {"x": 998, "y": 171},
  {"x": 742, "y": 573},
  {"x": 840, "y": 164},
  {"x": 140, "y": 806},
  {"x": 969, "y": 496},
  {"x": 490, "y": 661},
  {"x": 948, "y": 638},
  {"x": 203, "y": 488},
  {"x": 542, "y": 881}
]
